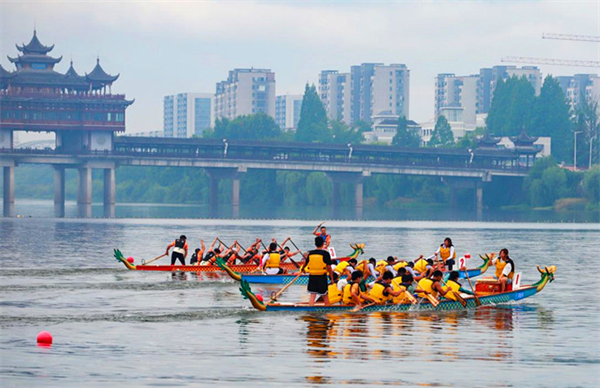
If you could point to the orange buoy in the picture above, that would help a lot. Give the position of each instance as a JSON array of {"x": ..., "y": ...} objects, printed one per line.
[
  {"x": 44, "y": 338},
  {"x": 130, "y": 259}
]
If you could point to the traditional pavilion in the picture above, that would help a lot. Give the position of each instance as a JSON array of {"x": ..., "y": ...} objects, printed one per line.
[
  {"x": 525, "y": 148},
  {"x": 81, "y": 109}
]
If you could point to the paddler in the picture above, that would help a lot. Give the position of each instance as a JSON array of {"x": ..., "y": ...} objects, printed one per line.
[
  {"x": 382, "y": 290},
  {"x": 286, "y": 253},
  {"x": 212, "y": 254},
  {"x": 344, "y": 269},
  {"x": 252, "y": 253},
  {"x": 505, "y": 268},
  {"x": 455, "y": 286},
  {"x": 403, "y": 283},
  {"x": 318, "y": 266},
  {"x": 270, "y": 261},
  {"x": 180, "y": 250},
  {"x": 355, "y": 292},
  {"x": 321, "y": 231},
  {"x": 198, "y": 254},
  {"x": 447, "y": 253},
  {"x": 432, "y": 285}
]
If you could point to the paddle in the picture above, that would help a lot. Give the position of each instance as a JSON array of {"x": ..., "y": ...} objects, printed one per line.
[
  {"x": 429, "y": 297},
  {"x": 296, "y": 246},
  {"x": 292, "y": 260},
  {"x": 477, "y": 301},
  {"x": 274, "y": 298},
  {"x": 358, "y": 308},
  {"x": 156, "y": 258}
]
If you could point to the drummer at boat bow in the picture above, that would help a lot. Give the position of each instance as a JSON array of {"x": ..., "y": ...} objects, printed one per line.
[
  {"x": 180, "y": 250},
  {"x": 323, "y": 234},
  {"x": 270, "y": 261},
  {"x": 505, "y": 268},
  {"x": 318, "y": 265}
]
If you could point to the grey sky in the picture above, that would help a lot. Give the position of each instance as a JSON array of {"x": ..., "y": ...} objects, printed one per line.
[{"x": 167, "y": 47}]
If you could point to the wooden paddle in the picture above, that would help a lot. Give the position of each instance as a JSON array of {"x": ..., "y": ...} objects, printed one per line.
[
  {"x": 156, "y": 258},
  {"x": 274, "y": 298},
  {"x": 296, "y": 246},
  {"x": 358, "y": 308},
  {"x": 429, "y": 297},
  {"x": 477, "y": 301},
  {"x": 292, "y": 260}
]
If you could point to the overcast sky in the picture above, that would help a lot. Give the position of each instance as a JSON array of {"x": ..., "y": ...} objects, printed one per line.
[{"x": 168, "y": 47}]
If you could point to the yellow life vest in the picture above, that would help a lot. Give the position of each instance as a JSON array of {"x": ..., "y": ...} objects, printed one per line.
[
  {"x": 399, "y": 265},
  {"x": 445, "y": 253},
  {"x": 361, "y": 266},
  {"x": 499, "y": 267},
  {"x": 377, "y": 293},
  {"x": 347, "y": 294},
  {"x": 335, "y": 295},
  {"x": 397, "y": 285},
  {"x": 341, "y": 267},
  {"x": 454, "y": 287},
  {"x": 273, "y": 261},
  {"x": 425, "y": 284},
  {"x": 316, "y": 264},
  {"x": 380, "y": 266},
  {"x": 421, "y": 266}
]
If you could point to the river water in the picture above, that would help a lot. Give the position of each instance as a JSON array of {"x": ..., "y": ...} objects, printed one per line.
[{"x": 113, "y": 327}]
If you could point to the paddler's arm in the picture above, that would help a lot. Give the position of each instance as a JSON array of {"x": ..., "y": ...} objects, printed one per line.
[
  {"x": 464, "y": 291},
  {"x": 316, "y": 231},
  {"x": 185, "y": 248},
  {"x": 169, "y": 246}
]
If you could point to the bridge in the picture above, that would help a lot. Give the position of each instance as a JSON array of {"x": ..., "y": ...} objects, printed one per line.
[{"x": 230, "y": 159}]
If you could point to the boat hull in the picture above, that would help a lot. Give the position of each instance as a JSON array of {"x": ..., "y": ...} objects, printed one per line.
[{"x": 204, "y": 268}]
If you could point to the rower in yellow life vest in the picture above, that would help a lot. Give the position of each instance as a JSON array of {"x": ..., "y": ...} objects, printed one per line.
[
  {"x": 382, "y": 290},
  {"x": 354, "y": 293},
  {"x": 271, "y": 260},
  {"x": 505, "y": 268},
  {"x": 403, "y": 283},
  {"x": 432, "y": 285},
  {"x": 447, "y": 253},
  {"x": 344, "y": 269},
  {"x": 455, "y": 286}
]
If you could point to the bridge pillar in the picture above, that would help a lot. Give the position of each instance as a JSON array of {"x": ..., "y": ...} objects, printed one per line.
[
  {"x": 479, "y": 197},
  {"x": 59, "y": 191},
  {"x": 354, "y": 178},
  {"x": 84, "y": 192},
  {"x": 9, "y": 191},
  {"x": 109, "y": 192},
  {"x": 215, "y": 175},
  {"x": 456, "y": 183}
]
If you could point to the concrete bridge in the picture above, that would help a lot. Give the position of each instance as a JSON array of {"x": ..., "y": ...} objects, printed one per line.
[{"x": 224, "y": 159}]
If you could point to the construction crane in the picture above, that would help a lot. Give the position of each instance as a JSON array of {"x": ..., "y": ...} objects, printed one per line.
[
  {"x": 550, "y": 61},
  {"x": 559, "y": 62},
  {"x": 584, "y": 38}
]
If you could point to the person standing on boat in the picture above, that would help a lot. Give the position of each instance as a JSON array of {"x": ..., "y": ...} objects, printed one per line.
[
  {"x": 505, "y": 268},
  {"x": 320, "y": 231},
  {"x": 318, "y": 265},
  {"x": 270, "y": 261},
  {"x": 180, "y": 250},
  {"x": 447, "y": 253}
]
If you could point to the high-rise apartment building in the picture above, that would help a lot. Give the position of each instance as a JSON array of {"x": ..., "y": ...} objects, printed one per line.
[
  {"x": 287, "y": 111},
  {"x": 580, "y": 86},
  {"x": 368, "y": 90},
  {"x": 187, "y": 114},
  {"x": 245, "y": 92},
  {"x": 489, "y": 78},
  {"x": 456, "y": 97}
]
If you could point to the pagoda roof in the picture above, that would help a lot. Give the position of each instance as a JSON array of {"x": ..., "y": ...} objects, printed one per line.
[
  {"x": 35, "y": 58},
  {"x": 488, "y": 141},
  {"x": 98, "y": 75},
  {"x": 523, "y": 139},
  {"x": 34, "y": 46},
  {"x": 48, "y": 78},
  {"x": 5, "y": 74}
]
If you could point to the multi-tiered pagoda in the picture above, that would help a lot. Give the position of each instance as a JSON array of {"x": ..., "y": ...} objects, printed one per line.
[{"x": 81, "y": 109}]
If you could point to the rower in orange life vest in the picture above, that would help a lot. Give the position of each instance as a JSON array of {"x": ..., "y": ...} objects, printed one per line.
[
  {"x": 447, "y": 253},
  {"x": 270, "y": 261},
  {"x": 322, "y": 233},
  {"x": 180, "y": 250},
  {"x": 318, "y": 265},
  {"x": 505, "y": 268}
]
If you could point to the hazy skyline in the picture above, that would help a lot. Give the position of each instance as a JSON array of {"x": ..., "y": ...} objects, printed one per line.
[{"x": 163, "y": 48}]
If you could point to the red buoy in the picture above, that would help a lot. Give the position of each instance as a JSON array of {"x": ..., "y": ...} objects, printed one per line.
[
  {"x": 44, "y": 338},
  {"x": 130, "y": 259},
  {"x": 259, "y": 297}
]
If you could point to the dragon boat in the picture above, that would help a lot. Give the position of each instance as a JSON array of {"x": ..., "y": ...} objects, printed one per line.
[
  {"x": 245, "y": 268},
  {"x": 284, "y": 279},
  {"x": 485, "y": 299}
]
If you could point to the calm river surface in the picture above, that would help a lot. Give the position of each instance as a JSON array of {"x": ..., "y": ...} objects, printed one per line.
[{"x": 117, "y": 328}]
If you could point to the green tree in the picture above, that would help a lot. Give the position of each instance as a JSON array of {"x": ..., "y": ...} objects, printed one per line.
[
  {"x": 258, "y": 126},
  {"x": 312, "y": 126},
  {"x": 591, "y": 184},
  {"x": 551, "y": 117},
  {"x": 405, "y": 137},
  {"x": 343, "y": 134},
  {"x": 442, "y": 135},
  {"x": 589, "y": 123},
  {"x": 512, "y": 107}
]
